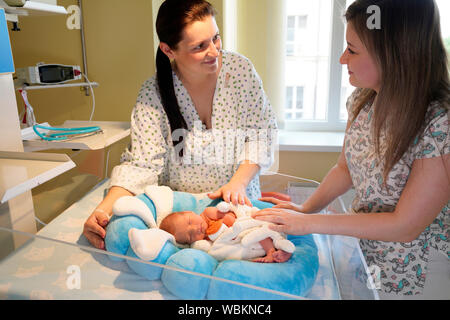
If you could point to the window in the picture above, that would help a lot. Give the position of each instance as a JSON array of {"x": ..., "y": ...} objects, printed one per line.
[
  {"x": 314, "y": 99},
  {"x": 444, "y": 9},
  {"x": 314, "y": 44},
  {"x": 296, "y": 28},
  {"x": 294, "y": 103}
]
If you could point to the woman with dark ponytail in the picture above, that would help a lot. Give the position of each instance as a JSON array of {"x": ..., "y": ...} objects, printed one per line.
[{"x": 203, "y": 123}]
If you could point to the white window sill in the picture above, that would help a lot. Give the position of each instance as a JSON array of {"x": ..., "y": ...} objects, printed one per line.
[{"x": 308, "y": 141}]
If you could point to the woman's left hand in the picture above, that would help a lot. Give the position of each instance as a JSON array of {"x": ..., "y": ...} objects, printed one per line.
[
  {"x": 282, "y": 204},
  {"x": 286, "y": 221},
  {"x": 232, "y": 192}
]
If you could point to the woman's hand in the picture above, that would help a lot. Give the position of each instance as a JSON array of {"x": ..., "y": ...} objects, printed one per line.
[
  {"x": 286, "y": 221},
  {"x": 235, "y": 190},
  {"x": 94, "y": 228},
  {"x": 232, "y": 192},
  {"x": 282, "y": 204}
]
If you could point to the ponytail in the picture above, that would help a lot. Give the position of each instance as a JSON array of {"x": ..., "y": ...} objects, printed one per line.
[
  {"x": 167, "y": 91},
  {"x": 173, "y": 17}
]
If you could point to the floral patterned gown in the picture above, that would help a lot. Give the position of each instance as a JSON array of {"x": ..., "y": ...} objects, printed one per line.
[
  {"x": 243, "y": 128},
  {"x": 403, "y": 266}
]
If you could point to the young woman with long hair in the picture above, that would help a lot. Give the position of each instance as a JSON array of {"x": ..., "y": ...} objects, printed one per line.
[{"x": 396, "y": 152}]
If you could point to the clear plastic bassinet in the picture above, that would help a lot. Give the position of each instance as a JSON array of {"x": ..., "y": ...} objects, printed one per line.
[{"x": 59, "y": 263}]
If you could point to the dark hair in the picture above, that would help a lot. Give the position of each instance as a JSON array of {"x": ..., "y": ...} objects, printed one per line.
[
  {"x": 173, "y": 17},
  {"x": 413, "y": 64}
]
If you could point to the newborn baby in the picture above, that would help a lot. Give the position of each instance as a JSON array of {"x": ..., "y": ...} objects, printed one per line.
[{"x": 188, "y": 227}]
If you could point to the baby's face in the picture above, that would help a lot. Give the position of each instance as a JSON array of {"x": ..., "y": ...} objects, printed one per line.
[{"x": 190, "y": 227}]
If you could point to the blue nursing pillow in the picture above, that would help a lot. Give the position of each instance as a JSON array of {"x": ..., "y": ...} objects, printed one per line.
[{"x": 294, "y": 277}]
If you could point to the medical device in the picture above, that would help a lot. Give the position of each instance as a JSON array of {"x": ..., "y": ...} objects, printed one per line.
[
  {"x": 65, "y": 134},
  {"x": 48, "y": 74}
]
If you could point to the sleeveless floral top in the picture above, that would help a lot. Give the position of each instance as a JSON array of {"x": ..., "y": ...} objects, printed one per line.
[{"x": 402, "y": 266}]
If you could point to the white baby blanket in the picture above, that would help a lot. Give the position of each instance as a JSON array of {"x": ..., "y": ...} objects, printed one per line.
[{"x": 241, "y": 240}]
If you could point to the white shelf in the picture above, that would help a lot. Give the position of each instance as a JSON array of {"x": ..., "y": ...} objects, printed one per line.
[
  {"x": 32, "y": 8},
  {"x": 113, "y": 131},
  {"x": 22, "y": 171}
]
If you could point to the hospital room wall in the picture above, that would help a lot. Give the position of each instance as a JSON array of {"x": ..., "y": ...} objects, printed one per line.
[
  {"x": 119, "y": 48},
  {"x": 309, "y": 165},
  {"x": 120, "y": 56}
]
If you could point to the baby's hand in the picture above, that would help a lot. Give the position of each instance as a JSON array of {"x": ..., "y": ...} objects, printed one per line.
[
  {"x": 213, "y": 213},
  {"x": 229, "y": 219}
]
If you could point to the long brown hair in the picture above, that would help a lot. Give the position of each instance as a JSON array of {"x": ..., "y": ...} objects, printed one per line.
[
  {"x": 413, "y": 63},
  {"x": 173, "y": 17}
]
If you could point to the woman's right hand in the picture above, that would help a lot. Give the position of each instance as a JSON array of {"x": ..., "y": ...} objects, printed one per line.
[
  {"x": 283, "y": 204},
  {"x": 94, "y": 228}
]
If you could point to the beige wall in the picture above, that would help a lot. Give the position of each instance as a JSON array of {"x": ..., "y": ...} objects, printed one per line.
[
  {"x": 309, "y": 165},
  {"x": 251, "y": 37},
  {"x": 119, "y": 46},
  {"x": 260, "y": 37},
  {"x": 119, "y": 43},
  {"x": 119, "y": 53}
]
